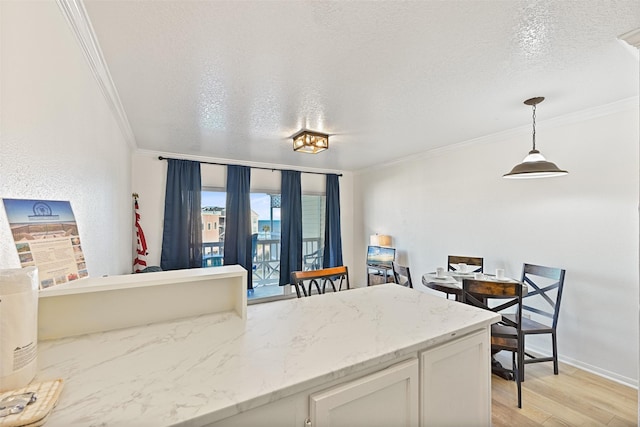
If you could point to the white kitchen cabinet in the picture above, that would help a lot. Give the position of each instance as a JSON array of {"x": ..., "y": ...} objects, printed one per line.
[
  {"x": 447, "y": 385},
  {"x": 386, "y": 398},
  {"x": 456, "y": 382},
  {"x": 287, "y": 412}
]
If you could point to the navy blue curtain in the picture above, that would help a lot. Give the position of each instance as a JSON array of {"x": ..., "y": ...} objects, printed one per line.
[
  {"x": 291, "y": 226},
  {"x": 237, "y": 234},
  {"x": 182, "y": 232},
  {"x": 332, "y": 235}
]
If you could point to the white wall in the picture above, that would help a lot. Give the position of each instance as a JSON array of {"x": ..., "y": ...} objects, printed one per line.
[
  {"x": 149, "y": 181},
  {"x": 455, "y": 201},
  {"x": 58, "y": 138}
]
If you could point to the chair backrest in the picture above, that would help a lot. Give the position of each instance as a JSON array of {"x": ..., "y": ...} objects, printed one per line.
[
  {"x": 304, "y": 281},
  {"x": 313, "y": 261},
  {"x": 402, "y": 275},
  {"x": 545, "y": 290},
  {"x": 479, "y": 292},
  {"x": 476, "y": 263}
]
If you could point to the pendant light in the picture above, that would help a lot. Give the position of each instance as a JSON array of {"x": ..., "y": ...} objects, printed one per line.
[{"x": 535, "y": 165}]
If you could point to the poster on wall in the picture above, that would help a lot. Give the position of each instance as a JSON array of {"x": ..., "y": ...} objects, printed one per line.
[{"x": 46, "y": 236}]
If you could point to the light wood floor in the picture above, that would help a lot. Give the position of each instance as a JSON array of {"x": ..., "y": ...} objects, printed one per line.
[{"x": 572, "y": 398}]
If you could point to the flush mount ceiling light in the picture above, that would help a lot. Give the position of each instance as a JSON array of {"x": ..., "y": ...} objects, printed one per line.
[
  {"x": 308, "y": 141},
  {"x": 535, "y": 165}
]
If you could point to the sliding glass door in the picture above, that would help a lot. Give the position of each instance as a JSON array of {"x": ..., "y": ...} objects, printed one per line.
[{"x": 265, "y": 228}]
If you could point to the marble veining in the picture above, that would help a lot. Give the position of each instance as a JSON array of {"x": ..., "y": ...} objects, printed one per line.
[{"x": 202, "y": 369}]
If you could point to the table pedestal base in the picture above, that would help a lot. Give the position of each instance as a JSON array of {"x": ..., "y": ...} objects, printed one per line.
[{"x": 499, "y": 370}]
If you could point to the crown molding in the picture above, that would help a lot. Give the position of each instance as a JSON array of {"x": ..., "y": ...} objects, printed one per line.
[
  {"x": 632, "y": 37},
  {"x": 627, "y": 104},
  {"x": 76, "y": 16}
]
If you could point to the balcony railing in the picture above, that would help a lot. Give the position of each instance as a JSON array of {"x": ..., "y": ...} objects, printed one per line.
[{"x": 266, "y": 262}]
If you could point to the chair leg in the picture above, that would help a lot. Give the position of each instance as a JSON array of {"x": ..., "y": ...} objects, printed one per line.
[
  {"x": 519, "y": 374},
  {"x": 555, "y": 352},
  {"x": 521, "y": 364},
  {"x": 519, "y": 385}
]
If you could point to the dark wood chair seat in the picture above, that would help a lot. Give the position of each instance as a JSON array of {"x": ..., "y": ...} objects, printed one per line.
[{"x": 531, "y": 326}]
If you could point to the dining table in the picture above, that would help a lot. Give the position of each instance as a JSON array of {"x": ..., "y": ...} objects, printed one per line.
[
  {"x": 451, "y": 284},
  {"x": 451, "y": 281}
]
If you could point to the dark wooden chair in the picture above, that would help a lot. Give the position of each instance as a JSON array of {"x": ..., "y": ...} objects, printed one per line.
[
  {"x": 476, "y": 263},
  {"x": 543, "y": 302},
  {"x": 402, "y": 275},
  {"x": 506, "y": 334},
  {"x": 305, "y": 281}
]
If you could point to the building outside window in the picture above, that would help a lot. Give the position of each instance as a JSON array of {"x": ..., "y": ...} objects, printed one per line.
[{"x": 265, "y": 223}]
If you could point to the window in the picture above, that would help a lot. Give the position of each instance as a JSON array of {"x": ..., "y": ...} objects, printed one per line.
[
  {"x": 213, "y": 207},
  {"x": 265, "y": 222}
]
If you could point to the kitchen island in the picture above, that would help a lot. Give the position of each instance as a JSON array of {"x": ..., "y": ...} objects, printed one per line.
[{"x": 369, "y": 353}]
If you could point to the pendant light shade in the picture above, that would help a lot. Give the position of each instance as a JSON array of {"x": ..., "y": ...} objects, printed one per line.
[{"x": 534, "y": 165}]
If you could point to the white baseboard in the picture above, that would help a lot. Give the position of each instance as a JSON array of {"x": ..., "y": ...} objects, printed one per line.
[{"x": 631, "y": 382}]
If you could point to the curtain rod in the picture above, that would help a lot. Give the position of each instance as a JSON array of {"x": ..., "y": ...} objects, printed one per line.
[{"x": 252, "y": 167}]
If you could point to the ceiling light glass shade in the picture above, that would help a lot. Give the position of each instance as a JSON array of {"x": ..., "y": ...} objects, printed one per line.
[
  {"x": 307, "y": 141},
  {"x": 535, "y": 166}
]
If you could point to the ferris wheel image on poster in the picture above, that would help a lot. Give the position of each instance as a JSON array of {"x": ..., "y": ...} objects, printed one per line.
[{"x": 46, "y": 236}]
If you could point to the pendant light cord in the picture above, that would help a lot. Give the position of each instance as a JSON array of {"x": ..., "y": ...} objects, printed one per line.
[{"x": 534, "y": 126}]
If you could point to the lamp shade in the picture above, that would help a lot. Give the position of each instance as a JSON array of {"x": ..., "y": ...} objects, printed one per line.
[
  {"x": 384, "y": 240},
  {"x": 535, "y": 166},
  {"x": 379, "y": 240}
]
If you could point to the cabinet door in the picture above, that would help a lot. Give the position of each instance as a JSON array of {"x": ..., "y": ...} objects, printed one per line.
[
  {"x": 385, "y": 398},
  {"x": 456, "y": 382}
]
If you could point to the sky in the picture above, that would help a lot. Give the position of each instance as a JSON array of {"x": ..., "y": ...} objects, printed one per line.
[{"x": 19, "y": 210}]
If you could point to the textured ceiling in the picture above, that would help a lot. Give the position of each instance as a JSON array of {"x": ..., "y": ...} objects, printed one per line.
[{"x": 387, "y": 79}]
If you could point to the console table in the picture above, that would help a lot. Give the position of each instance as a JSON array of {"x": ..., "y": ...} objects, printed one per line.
[{"x": 379, "y": 274}]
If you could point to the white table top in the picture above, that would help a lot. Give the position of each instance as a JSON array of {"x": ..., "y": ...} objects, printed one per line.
[
  {"x": 203, "y": 369},
  {"x": 455, "y": 278}
]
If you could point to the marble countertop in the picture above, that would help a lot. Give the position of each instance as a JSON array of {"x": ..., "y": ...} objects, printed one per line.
[{"x": 202, "y": 369}]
